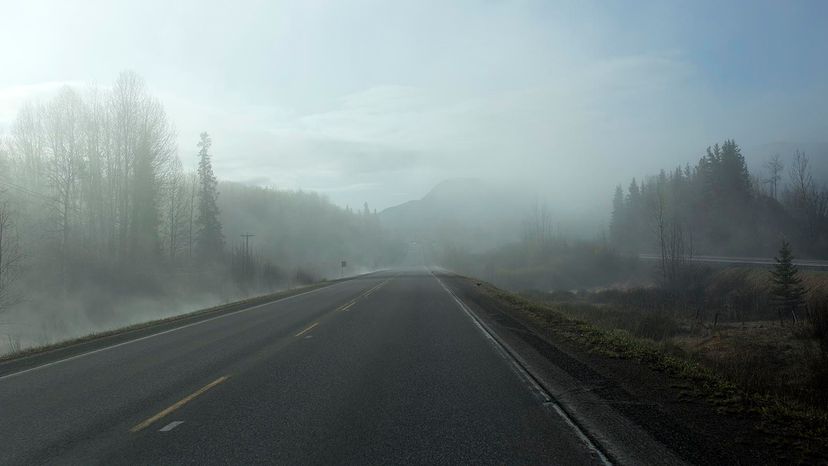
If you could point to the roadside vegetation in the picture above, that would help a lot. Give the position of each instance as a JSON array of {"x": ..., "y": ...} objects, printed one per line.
[
  {"x": 737, "y": 334},
  {"x": 750, "y": 340},
  {"x": 102, "y": 226},
  {"x": 772, "y": 374}
]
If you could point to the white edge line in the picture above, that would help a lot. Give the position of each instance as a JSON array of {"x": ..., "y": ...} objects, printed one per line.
[
  {"x": 524, "y": 374},
  {"x": 147, "y": 337},
  {"x": 520, "y": 370},
  {"x": 170, "y": 426}
]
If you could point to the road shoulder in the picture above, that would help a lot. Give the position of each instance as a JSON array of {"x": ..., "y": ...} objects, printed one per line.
[
  {"x": 638, "y": 415},
  {"x": 39, "y": 356}
]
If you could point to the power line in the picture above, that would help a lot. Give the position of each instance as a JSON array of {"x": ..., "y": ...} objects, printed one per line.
[
  {"x": 33, "y": 193},
  {"x": 24, "y": 190}
]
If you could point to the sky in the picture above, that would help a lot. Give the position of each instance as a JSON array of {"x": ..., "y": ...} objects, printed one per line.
[{"x": 377, "y": 101}]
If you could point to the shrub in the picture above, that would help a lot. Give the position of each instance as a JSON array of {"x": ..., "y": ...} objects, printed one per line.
[
  {"x": 657, "y": 325},
  {"x": 304, "y": 277},
  {"x": 818, "y": 318}
]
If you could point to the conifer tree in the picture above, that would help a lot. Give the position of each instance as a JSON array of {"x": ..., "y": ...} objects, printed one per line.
[
  {"x": 209, "y": 238},
  {"x": 788, "y": 292},
  {"x": 618, "y": 217}
]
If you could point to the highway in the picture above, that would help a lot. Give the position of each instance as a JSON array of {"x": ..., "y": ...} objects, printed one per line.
[
  {"x": 815, "y": 264},
  {"x": 386, "y": 368}
]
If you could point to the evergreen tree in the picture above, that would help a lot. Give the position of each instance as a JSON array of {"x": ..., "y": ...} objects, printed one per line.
[
  {"x": 634, "y": 194},
  {"x": 209, "y": 239},
  {"x": 709, "y": 172},
  {"x": 788, "y": 292},
  {"x": 618, "y": 217},
  {"x": 734, "y": 176},
  {"x": 634, "y": 213}
]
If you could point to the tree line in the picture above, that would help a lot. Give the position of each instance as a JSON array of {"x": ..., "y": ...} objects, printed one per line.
[
  {"x": 718, "y": 207},
  {"x": 95, "y": 206}
]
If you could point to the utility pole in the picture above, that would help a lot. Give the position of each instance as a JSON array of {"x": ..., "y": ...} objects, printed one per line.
[{"x": 246, "y": 237}]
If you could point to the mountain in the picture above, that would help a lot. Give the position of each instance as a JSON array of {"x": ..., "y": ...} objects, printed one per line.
[{"x": 468, "y": 212}]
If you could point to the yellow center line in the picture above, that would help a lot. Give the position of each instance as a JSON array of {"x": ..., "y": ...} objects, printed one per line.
[
  {"x": 146, "y": 423},
  {"x": 346, "y": 305},
  {"x": 349, "y": 304},
  {"x": 307, "y": 329}
]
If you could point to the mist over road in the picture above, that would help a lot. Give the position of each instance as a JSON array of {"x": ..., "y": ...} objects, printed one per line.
[{"x": 384, "y": 368}]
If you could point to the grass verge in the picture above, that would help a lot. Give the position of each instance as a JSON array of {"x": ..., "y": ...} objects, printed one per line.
[
  {"x": 101, "y": 339},
  {"x": 788, "y": 421}
]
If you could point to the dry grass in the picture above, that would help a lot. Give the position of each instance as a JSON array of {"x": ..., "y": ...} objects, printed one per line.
[
  {"x": 762, "y": 357},
  {"x": 758, "y": 368},
  {"x": 729, "y": 326}
]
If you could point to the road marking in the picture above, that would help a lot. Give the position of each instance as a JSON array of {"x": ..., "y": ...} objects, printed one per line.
[
  {"x": 148, "y": 422},
  {"x": 307, "y": 329},
  {"x": 129, "y": 342},
  {"x": 351, "y": 303},
  {"x": 170, "y": 426},
  {"x": 501, "y": 348},
  {"x": 523, "y": 372},
  {"x": 347, "y": 305}
]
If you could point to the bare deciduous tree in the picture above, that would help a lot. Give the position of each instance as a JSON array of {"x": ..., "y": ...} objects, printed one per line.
[
  {"x": 538, "y": 225},
  {"x": 65, "y": 152},
  {"x": 675, "y": 242},
  {"x": 802, "y": 182},
  {"x": 176, "y": 206},
  {"x": 774, "y": 167},
  {"x": 10, "y": 257}
]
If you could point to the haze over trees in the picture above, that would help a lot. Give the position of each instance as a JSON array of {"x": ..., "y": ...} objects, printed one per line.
[
  {"x": 100, "y": 225},
  {"x": 210, "y": 239},
  {"x": 718, "y": 207}
]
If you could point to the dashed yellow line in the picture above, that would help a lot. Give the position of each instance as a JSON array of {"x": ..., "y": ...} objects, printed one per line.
[
  {"x": 146, "y": 423},
  {"x": 307, "y": 329},
  {"x": 349, "y": 304},
  {"x": 346, "y": 306},
  {"x": 149, "y": 421}
]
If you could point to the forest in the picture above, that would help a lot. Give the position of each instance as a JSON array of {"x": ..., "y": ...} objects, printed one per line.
[
  {"x": 714, "y": 207},
  {"x": 764, "y": 329},
  {"x": 717, "y": 207},
  {"x": 101, "y": 226}
]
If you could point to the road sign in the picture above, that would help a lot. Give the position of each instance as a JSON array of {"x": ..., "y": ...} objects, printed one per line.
[{"x": 344, "y": 264}]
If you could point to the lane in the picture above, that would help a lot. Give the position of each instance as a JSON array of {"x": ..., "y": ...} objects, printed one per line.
[
  {"x": 383, "y": 369},
  {"x": 401, "y": 376},
  {"x": 79, "y": 407}
]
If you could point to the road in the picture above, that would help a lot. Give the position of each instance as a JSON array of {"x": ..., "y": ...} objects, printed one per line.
[{"x": 386, "y": 368}]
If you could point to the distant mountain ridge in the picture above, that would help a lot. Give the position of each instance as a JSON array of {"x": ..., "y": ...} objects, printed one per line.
[{"x": 466, "y": 211}]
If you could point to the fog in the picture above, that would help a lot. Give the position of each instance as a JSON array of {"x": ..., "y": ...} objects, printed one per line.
[
  {"x": 378, "y": 102},
  {"x": 494, "y": 134}
]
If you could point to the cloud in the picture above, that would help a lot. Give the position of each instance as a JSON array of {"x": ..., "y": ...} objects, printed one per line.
[{"x": 374, "y": 101}]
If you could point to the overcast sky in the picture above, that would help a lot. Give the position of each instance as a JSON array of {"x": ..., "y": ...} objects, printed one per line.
[{"x": 379, "y": 100}]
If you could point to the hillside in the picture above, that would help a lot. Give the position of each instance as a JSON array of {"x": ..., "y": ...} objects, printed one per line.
[{"x": 469, "y": 211}]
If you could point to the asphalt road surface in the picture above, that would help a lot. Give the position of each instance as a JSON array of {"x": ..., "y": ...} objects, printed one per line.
[{"x": 381, "y": 369}]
